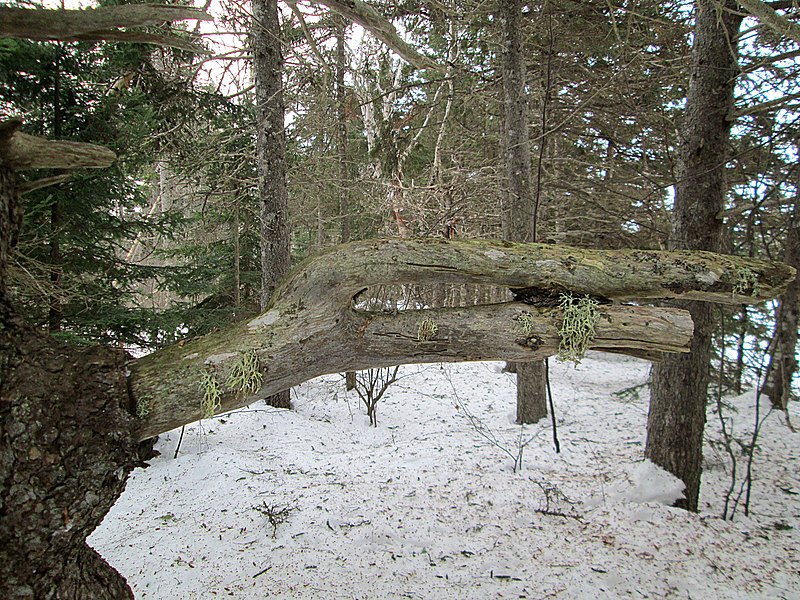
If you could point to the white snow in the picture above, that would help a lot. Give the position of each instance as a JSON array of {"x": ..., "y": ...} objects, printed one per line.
[{"x": 425, "y": 506}]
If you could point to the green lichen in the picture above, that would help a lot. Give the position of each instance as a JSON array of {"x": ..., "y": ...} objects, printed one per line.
[
  {"x": 246, "y": 375},
  {"x": 526, "y": 322},
  {"x": 746, "y": 283},
  {"x": 577, "y": 327},
  {"x": 426, "y": 330},
  {"x": 143, "y": 405},
  {"x": 212, "y": 392}
]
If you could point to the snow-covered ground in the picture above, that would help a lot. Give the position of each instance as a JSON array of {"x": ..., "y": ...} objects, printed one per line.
[{"x": 314, "y": 503}]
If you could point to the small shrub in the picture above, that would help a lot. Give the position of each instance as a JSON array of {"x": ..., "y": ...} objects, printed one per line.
[{"x": 371, "y": 385}]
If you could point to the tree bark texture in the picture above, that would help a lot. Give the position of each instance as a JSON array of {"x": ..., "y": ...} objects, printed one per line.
[
  {"x": 10, "y": 221},
  {"x": 679, "y": 386},
  {"x": 783, "y": 365},
  {"x": 101, "y": 23},
  {"x": 271, "y": 150},
  {"x": 311, "y": 327},
  {"x": 66, "y": 449},
  {"x": 341, "y": 131},
  {"x": 519, "y": 212}
]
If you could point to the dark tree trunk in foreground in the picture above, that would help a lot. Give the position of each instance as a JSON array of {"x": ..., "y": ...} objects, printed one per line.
[
  {"x": 265, "y": 38},
  {"x": 679, "y": 387},
  {"x": 66, "y": 449},
  {"x": 519, "y": 214}
]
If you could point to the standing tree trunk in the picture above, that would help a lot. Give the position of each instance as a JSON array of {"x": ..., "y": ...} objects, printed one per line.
[
  {"x": 341, "y": 152},
  {"x": 265, "y": 38},
  {"x": 341, "y": 132},
  {"x": 783, "y": 365},
  {"x": 680, "y": 383},
  {"x": 66, "y": 448},
  {"x": 519, "y": 212}
]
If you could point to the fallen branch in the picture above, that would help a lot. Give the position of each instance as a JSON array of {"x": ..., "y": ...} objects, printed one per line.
[
  {"x": 95, "y": 24},
  {"x": 312, "y": 329}
]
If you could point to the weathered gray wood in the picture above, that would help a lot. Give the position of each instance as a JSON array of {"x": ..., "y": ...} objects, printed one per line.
[
  {"x": 334, "y": 277},
  {"x": 30, "y": 152},
  {"x": 379, "y": 26},
  {"x": 772, "y": 18},
  {"x": 312, "y": 328},
  {"x": 20, "y": 151},
  {"x": 95, "y": 24},
  {"x": 296, "y": 344}
]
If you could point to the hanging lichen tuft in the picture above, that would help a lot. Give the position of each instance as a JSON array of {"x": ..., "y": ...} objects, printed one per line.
[
  {"x": 426, "y": 330},
  {"x": 577, "y": 328},
  {"x": 212, "y": 392},
  {"x": 246, "y": 375}
]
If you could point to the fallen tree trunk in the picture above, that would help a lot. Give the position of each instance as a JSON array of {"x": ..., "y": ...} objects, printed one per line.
[
  {"x": 103, "y": 23},
  {"x": 313, "y": 326}
]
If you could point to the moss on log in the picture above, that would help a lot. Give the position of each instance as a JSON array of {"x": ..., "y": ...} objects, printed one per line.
[{"x": 311, "y": 327}]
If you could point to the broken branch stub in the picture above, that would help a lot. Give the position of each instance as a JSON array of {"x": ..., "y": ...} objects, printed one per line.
[{"x": 21, "y": 151}]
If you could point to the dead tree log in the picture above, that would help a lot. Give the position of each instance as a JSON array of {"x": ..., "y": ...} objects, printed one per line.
[
  {"x": 103, "y": 23},
  {"x": 69, "y": 420},
  {"x": 313, "y": 325},
  {"x": 379, "y": 26}
]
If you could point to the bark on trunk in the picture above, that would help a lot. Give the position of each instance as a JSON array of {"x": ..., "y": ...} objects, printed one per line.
[
  {"x": 783, "y": 365},
  {"x": 679, "y": 387},
  {"x": 341, "y": 133},
  {"x": 66, "y": 448},
  {"x": 519, "y": 213},
  {"x": 271, "y": 149}
]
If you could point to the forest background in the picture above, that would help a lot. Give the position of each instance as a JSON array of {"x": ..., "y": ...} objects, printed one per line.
[
  {"x": 168, "y": 243},
  {"x": 282, "y": 130}
]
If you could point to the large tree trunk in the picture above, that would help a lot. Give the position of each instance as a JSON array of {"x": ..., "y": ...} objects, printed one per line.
[
  {"x": 271, "y": 149},
  {"x": 66, "y": 448},
  {"x": 66, "y": 432},
  {"x": 519, "y": 214},
  {"x": 679, "y": 386}
]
